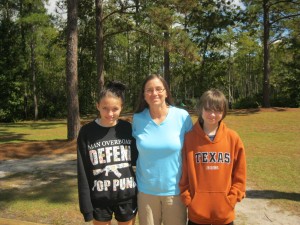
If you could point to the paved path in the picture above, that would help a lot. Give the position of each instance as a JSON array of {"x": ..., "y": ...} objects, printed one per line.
[{"x": 255, "y": 210}]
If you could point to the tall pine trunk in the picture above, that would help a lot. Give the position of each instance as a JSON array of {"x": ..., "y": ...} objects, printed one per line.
[
  {"x": 99, "y": 43},
  {"x": 71, "y": 70},
  {"x": 266, "y": 77},
  {"x": 33, "y": 75},
  {"x": 167, "y": 58}
]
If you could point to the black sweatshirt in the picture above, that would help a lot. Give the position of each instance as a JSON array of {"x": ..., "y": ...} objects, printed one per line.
[{"x": 105, "y": 156}]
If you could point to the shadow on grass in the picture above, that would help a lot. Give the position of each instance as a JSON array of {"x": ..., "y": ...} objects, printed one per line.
[
  {"x": 11, "y": 136},
  {"x": 235, "y": 112},
  {"x": 245, "y": 112},
  {"x": 271, "y": 194},
  {"x": 34, "y": 125},
  {"x": 53, "y": 185},
  {"x": 18, "y": 135}
]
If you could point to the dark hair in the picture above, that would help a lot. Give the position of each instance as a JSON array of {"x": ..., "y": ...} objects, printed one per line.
[
  {"x": 212, "y": 99},
  {"x": 114, "y": 89},
  {"x": 142, "y": 104}
]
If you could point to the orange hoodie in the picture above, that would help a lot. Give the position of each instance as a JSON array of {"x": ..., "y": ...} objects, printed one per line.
[{"x": 213, "y": 176}]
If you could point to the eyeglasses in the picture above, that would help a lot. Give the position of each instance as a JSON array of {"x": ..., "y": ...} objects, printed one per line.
[
  {"x": 208, "y": 110},
  {"x": 158, "y": 90}
]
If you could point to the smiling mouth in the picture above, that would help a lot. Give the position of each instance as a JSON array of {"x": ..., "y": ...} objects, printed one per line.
[{"x": 155, "y": 98}]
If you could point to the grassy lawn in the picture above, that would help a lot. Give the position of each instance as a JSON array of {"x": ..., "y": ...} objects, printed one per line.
[
  {"x": 53, "y": 202},
  {"x": 272, "y": 143},
  {"x": 271, "y": 140},
  {"x": 33, "y": 131}
]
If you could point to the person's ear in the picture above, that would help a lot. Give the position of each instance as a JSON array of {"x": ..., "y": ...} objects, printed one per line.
[{"x": 98, "y": 106}]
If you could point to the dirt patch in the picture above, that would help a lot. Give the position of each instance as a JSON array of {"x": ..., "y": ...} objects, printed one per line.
[
  {"x": 29, "y": 149},
  {"x": 260, "y": 211}
]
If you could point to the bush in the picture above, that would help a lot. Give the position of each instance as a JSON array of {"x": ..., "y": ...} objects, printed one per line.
[
  {"x": 246, "y": 103},
  {"x": 285, "y": 102}
]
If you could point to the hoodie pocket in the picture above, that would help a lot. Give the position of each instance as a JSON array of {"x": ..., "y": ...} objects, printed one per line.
[{"x": 211, "y": 206}]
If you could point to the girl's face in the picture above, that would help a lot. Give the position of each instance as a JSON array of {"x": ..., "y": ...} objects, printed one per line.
[
  {"x": 211, "y": 117},
  {"x": 109, "y": 108},
  {"x": 155, "y": 92}
]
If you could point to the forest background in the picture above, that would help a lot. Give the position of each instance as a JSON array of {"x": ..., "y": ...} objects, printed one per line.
[{"x": 52, "y": 64}]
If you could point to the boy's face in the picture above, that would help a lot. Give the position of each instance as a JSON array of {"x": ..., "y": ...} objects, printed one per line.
[{"x": 211, "y": 116}]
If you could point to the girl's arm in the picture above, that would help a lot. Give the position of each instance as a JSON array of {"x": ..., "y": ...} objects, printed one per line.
[
  {"x": 134, "y": 152},
  {"x": 85, "y": 203}
]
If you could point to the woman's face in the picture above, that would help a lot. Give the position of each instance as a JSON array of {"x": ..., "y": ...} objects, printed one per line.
[
  {"x": 109, "y": 108},
  {"x": 155, "y": 93}
]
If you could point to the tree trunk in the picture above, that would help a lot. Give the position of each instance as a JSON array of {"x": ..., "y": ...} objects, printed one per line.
[
  {"x": 71, "y": 70},
  {"x": 167, "y": 58},
  {"x": 99, "y": 43},
  {"x": 229, "y": 75},
  {"x": 266, "y": 77},
  {"x": 33, "y": 75},
  {"x": 24, "y": 74}
]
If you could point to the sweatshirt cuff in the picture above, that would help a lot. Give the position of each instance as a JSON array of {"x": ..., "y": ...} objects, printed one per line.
[
  {"x": 186, "y": 199},
  {"x": 88, "y": 216}
]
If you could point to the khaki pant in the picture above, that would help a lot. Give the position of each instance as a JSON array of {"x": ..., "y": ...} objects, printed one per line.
[{"x": 154, "y": 210}]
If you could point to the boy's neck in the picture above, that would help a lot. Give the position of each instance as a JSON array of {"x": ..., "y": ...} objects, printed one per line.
[{"x": 210, "y": 129}]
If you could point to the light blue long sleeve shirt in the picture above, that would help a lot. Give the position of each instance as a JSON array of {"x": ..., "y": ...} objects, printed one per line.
[{"x": 159, "y": 163}]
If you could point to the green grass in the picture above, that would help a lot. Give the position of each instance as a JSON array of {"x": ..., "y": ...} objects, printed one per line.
[
  {"x": 271, "y": 141},
  {"x": 33, "y": 131},
  {"x": 49, "y": 202}
]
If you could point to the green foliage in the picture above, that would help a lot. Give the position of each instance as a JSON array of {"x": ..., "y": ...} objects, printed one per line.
[
  {"x": 11, "y": 66},
  {"x": 29, "y": 44},
  {"x": 210, "y": 45},
  {"x": 10, "y": 98},
  {"x": 276, "y": 22},
  {"x": 285, "y": 101},
  {"x": 247, "y": 103}
]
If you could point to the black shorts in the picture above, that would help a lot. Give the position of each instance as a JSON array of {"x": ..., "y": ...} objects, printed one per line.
[
  {"x": 123, "y": 211},
  {"x": 192, "y": 223}
]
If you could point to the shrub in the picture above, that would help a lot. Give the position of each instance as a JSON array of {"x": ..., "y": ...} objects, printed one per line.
[{"x": 246, "y": 103}]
